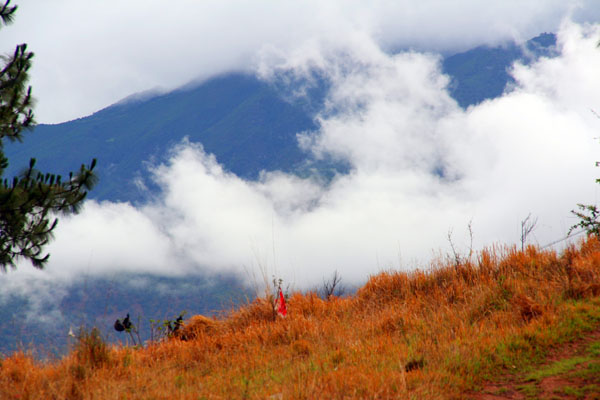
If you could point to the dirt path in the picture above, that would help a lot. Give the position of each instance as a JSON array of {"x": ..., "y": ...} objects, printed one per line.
[{"x": 571, "y": 371}]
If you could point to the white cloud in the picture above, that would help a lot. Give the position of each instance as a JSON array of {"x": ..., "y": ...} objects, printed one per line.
[
  {"x": 89, "y": 54},
  {"x": 113, "y": 237},
  {"x": 531, "y": 150}
]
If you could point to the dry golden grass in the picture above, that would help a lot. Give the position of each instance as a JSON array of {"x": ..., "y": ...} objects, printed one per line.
[{"x": 422, "y": 334}]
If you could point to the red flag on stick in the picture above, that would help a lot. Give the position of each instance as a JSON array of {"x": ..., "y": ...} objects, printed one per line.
[{"x": 281, "y": 309}]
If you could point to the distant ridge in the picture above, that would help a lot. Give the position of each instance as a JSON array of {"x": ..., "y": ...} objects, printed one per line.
[
  {"x": 248, "y": 124},
  {"x": 482, "y": 73},
  {"x": 243, "y": 121}
]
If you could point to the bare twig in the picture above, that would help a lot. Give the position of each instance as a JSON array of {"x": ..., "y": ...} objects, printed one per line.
[
  {"x": 457, "y": 258},
  {"x": 470, "y": 226},
  {"x": 528, "y": 225},
  {"x": 330, "y": 286}
]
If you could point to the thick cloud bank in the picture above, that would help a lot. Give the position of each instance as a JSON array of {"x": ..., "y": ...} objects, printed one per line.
[
  {"x": 421, "y": 166},
  {"x": 90, "y": 54}
]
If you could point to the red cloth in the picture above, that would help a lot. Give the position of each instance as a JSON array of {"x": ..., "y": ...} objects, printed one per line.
[{"x": 281, "y": 309}]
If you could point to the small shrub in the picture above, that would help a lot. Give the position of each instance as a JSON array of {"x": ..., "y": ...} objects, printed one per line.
[
  {"x": 588, "y": 219},
  {"x": 127, "y": 359},
  {"x": 301, "y": 348},
  {"x": 91, "y": 349},
  {"x": 390, "y": 323},
  {"x": 75, "y": 392},
  {"x": 414, "y": 364},
  {"x": 179, "y": 381},
  {"x": 333, "y": 286},
  {"x": 257, "y": 311},
  {"x": 338, "y": 357},
  {"x": 78, "y": 372},
  {"x": 196, "y": 326},
  {"x": 161, "y": 329},
  {"x": 527, "y": 307}
]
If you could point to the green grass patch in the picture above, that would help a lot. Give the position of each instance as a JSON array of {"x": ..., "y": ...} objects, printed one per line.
[
  {"x": 594, "y": 349},
  {"x": 591, "y": 371},
  {"x": 530, "y": 390},
  {"x": 528, "y": 349},
  {"x": 556, "y": 368},
  {"x": 580, "y": 392},
  {"x": 501, "y": 391}
]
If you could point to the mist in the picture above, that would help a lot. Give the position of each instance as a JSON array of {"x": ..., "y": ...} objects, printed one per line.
[
  {"x": 422, "y": 168},
  {"x": 92, "y": 54}
]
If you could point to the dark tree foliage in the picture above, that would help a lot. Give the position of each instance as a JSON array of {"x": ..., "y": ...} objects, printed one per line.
[
  {"x": 30, "y": 201},
  {"x": 588, "y": 214},
  {"x": 588, "y": 219}
]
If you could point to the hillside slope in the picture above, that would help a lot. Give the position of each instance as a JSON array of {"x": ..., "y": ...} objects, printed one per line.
[{"x": 436, "y": 334}]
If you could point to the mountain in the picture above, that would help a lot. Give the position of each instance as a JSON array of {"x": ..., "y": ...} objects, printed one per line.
[
  {"x": 240, "y": 119},
  {"x": 40, "y": 315},
  {"x": 248, "y": 124},
  {"x": 483, "y": 72}
]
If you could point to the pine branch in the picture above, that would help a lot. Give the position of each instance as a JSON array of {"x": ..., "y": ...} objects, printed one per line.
[
  {"x": 27, "y": 206},
  {"x": 7, "y": 13},
  {"x": 30, "y": 201}
]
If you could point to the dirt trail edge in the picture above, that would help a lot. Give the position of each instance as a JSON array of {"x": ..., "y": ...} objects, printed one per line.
[{"x": 571, "y": 371}]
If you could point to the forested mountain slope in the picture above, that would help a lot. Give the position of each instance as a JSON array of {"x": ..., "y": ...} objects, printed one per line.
[{"x": 248, "y": 124}]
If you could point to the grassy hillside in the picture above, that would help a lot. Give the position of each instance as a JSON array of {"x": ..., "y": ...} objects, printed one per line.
[{"x": 436, "y": 333}]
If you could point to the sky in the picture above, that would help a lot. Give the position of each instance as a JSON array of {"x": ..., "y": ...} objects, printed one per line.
[
  {"x": 90, "y": 54},
  {"x": 531, "y": 150}
]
